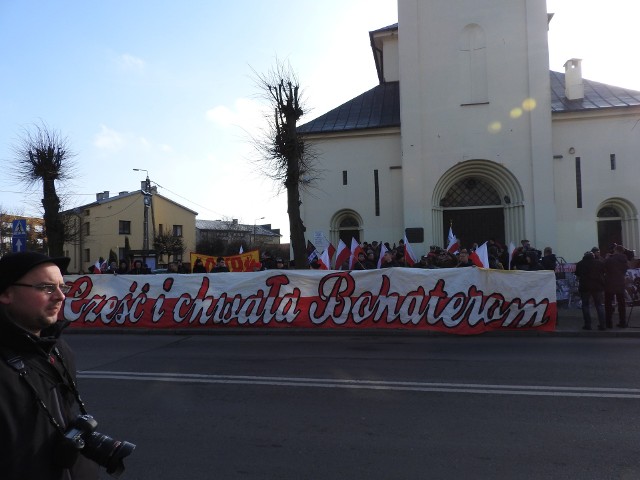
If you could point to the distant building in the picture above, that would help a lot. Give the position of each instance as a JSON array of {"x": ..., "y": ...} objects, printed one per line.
[
  {"x": 209, "y": 231},
  {"x": 468, "y": 127},
  {"x": 111, "y": 222}
]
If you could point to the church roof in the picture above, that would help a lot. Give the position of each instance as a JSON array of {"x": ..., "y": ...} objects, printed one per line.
[
  {"x": 596, "y": 96},
  {"x": 380, "y": 106},
  {"x": 377, "y": 108}
]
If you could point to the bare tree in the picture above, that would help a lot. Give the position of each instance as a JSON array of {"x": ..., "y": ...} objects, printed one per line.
[
  {"x": 43, "y": 155},
  {"x": 285, "y": 156}
]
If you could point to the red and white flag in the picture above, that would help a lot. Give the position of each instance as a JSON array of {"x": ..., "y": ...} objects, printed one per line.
[
  {"x": 97, "y": 267},
  {"x": 454, "y": 245},
  {"x": 355, "y": 250},
  {"x": 324, "y": 261},
  {"x": 343, "y": 254},
  {"x": 410, "y": 258},
  {"x": 383, "y": 250},
  {"x": 511, "y": 250},
  {"x": 480, "y": 256},
  {"x": 330, "y": 247}
]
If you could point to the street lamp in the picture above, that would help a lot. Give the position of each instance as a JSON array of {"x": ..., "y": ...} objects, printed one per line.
[
  {"x": 254, "y": 229},
  {"x": 147, "y": 204}
]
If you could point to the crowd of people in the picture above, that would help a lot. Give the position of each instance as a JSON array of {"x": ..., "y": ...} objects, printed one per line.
[{"x": 602, "y": 281}]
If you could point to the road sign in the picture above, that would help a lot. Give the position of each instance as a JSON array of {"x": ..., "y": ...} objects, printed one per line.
[{"x": 19, "y": 239}]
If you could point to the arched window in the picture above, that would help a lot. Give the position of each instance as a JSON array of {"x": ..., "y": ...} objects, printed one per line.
[
  {"x": 470, "y": 192},
  {"x": 346, "y": 225},
  {"x": 473, "y": 65}
]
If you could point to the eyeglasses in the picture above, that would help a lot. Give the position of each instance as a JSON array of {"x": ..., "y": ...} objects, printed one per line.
[{"x": 47, "y": 288}]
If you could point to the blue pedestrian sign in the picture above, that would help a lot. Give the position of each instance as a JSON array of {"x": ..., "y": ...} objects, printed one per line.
[{"x": 19, "y": 238}]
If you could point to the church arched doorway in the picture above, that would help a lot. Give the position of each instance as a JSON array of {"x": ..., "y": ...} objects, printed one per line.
[
  {"x": 480, "y": 199},
  {"x": 475, "y": 210}
]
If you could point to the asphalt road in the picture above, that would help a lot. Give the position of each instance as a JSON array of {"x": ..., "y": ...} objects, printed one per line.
[{"x": 305, "y": 406}]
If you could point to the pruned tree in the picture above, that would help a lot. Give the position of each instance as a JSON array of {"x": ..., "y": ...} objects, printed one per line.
[
  {"x": 43, "y": 155},
  {"x": 285, "y": 156}
]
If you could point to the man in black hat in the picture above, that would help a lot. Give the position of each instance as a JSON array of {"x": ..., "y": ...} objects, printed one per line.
[{"x": 36, "y": 368}]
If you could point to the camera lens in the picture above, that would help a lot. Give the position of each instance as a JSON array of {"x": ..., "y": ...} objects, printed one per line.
[{"x": 107, "y": 452}]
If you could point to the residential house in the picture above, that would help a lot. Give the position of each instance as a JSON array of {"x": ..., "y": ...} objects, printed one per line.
[{"x": 112, "y": 222}]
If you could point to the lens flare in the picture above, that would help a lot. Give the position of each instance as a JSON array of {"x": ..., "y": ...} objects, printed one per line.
[
  {"x": 529, "y": 104},
  {"x": 494, "y": 127}
]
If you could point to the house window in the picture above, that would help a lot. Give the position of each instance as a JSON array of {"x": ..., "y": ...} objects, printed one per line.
[
  {"x": 177, "y": 230},
  {"x": 87, "y": 229},
  {"x": 578, "y": 183},
  {"x": 612, "y": 159},
  {"x": 124, "y": 227},
  {"x": 344, "y": 177},
  {"x": 87, "y": 255},
  {"x": 160, "y": 229}
]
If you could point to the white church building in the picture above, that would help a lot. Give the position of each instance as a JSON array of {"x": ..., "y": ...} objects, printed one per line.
[{"x": 469, "y": 128}]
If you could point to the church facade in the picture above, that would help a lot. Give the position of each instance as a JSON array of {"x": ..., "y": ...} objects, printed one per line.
[{"x": 469, "y": 129}]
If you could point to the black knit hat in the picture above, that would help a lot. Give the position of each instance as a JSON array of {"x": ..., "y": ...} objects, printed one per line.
[{"x": 14, "y": 266}]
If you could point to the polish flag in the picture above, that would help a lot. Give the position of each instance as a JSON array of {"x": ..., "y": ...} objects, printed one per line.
[
  {"x": 383, "y": 250},
  {"x": 343, "y": 254},
  {"x": 480, "y": 256},
  {"x": 454, "y": 245},
  {"x": 324, "y": 261},
  {"x": 511, "y": 250},
  {"x": 97, "y": 267},
  {"x": 330, "y": 247},
  {"x": 355, "y": 250},
  {"x": 410, "y": 258}
]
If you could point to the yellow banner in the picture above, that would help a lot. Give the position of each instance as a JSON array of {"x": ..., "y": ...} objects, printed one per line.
[{"x": 243, "y": 262}]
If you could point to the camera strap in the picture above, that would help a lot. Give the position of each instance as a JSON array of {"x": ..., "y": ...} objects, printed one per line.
[{"x": 18, "y": 364}]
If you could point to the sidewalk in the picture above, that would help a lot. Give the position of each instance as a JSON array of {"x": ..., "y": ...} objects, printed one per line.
[{"x": 570, "y": 324}]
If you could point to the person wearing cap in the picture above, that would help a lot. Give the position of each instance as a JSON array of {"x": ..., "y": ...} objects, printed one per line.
[
  {"x": 36, "y": 365},
  {"x": 280, "y": 265},
  {"x": 590, "y": 273}
]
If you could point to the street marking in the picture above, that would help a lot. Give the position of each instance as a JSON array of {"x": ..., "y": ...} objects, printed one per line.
[{"x": 469, "y": 388}]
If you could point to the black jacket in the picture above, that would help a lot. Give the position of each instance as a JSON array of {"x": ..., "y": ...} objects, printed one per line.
[
  {"x": 590, "y": 272},
  {"x": 615, "y": 267},
  {"x": 30, "y": 446}
]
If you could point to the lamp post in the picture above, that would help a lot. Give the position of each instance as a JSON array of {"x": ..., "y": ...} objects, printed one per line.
[
  {"x": 254, "y": 229},
  {"x": 147, "y": 203}
]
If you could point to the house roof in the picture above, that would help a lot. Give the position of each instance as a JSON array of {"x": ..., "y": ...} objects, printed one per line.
[
  {"x": 122, "y": 195},
  {"x": 227, "y": 226},
  {"x": 377, "y": 108},
  {"x": 380, "y": 106},
  {"x": 597, "y": 96}
]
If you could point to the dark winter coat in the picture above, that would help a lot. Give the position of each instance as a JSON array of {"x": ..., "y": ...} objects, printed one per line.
[
  {"x": 615, "y": 267},
  {"x": 590, "y": 272},
  {"x": 30, "y": 445}
]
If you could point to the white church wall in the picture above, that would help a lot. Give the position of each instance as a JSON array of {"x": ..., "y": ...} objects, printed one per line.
[
  {"x": 594, "y": 138},
  {"x": 359, "y": 155},
  {"x": 513, "y": 128}
]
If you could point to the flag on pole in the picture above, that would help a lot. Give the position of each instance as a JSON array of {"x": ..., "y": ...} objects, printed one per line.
[
  {"x": 383, "y": 250},
  {"x": 312, "y": 253},
  {"x": 324, "y": 261},
  {"x": 330, "y": 247},
  {"x": 454, "y": 245},
  {"x": 410, "y": 258},
  {"x": 511, "y": 251},
  {"x": 97, "y": 267},
  {"x": 355, "y": 250},
  {"x": 343, "y": 255},
  {"x": 480, "y": 256}
]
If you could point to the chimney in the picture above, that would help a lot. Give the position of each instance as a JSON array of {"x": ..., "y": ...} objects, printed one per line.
[
  {"x": 102, "y": 195},
  {"x": 234, "y": 221},
  {"x": 573, "y": 84}
]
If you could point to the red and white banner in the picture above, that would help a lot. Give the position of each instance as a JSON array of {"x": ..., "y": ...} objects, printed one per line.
[{"x": 461, "y": 301}]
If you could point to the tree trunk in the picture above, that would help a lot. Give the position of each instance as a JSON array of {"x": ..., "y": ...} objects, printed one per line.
[{"x": 53, "y": 224}]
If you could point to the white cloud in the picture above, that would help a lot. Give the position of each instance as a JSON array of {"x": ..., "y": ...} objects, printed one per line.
[
  {"x": 130, "y": 62},
  {"x": 245, "y": 113},
  {"x": 108, "y": 139}
]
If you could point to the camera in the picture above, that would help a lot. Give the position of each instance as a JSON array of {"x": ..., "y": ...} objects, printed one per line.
[{"x": 100, "y": 448}]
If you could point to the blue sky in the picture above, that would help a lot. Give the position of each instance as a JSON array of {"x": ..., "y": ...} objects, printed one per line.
[{"x": 168, "y": 86}]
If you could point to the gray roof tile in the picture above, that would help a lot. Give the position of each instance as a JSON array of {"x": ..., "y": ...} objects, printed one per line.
[{"x": 380, "y": 106}]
